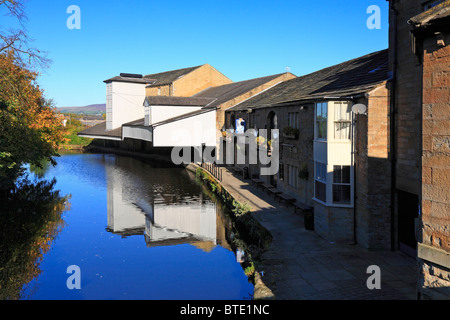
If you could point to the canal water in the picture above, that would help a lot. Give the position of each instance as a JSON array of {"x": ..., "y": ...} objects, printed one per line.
[{"x": 135, "y": 230}]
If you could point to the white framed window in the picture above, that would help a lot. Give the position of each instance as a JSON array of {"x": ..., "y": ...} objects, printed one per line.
[
  {"x": 342, "y": 120},
  {"x": 320, "y": 181},
  {"x": 341, "y": 185},
  {"x": 321, "y": 120}
]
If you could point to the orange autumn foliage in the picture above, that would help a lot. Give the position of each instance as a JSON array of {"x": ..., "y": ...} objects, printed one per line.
[{"x": 19, "y": 88}]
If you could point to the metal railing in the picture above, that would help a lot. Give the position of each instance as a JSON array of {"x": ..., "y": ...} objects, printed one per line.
[{"x": 213, "y": 169}]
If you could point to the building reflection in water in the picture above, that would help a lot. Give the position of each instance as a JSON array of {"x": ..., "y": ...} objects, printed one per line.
[{"x": 164, "y": 205}]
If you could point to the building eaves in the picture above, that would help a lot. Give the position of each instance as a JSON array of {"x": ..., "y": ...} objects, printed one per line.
[
  {"x": 99, "y": 131},
  {"x": 130, "y": 80},
  {"x": 432, "y": 15}
]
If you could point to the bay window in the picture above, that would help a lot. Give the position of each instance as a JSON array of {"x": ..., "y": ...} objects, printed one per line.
[
  {"x": 342, "y": 120},
  {"x": 341, "y": 185},
  {"x": 321, "y": 120}
]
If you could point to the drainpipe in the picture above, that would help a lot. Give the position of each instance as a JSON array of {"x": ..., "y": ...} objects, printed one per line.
[
  {"x": 392, "y": 114},
  {"x": 353, "y": 161}
]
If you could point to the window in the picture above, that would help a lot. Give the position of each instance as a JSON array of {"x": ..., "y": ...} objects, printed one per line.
[
  {"x": 320, "y": 177},
  {"x": 281, "y": 172},
  {"x": 341, "y": 185},
  {"x": 321, "y": 120},
  {"x": 431, "y": 4},
  {"x": 342, "y": 120},
  {"x": 293, "y": 120},
  {"x": 293, "y": 176}
]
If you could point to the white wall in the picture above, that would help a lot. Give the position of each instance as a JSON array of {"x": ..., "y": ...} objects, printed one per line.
[
  {"x": 192, "y": 131},
  {"x": 127, "y": 103},
  {"x": 139, "y": 133},
  {"x": 161, "y": 113}
]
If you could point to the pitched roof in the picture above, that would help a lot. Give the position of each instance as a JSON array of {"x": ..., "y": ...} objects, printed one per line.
[
  {"x": 352, "y": 77},
  {"x": 121, "y": 78},
  {"x": 156, "y": 79},
  {"x": 100, "y": 131},
  {"x": 177, "y": 101},
  {"x": 168, "y": 77},
  {"x": 230, "y": 91}
]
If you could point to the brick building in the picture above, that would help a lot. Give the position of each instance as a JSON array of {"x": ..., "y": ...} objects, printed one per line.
[{"x": 331, "y": 159}]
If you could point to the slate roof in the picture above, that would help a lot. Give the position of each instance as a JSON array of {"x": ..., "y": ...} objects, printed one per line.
[
  {"x": 230, "y": 91},
  {"x": 168, "y": 77},
  {"x": 177, "y": 101},
  {"x": 143, "y": 80},
  {"x": 100, "y": 130},
  {"x": 352, "y": 77},
  {"x": 425, "y": 18},
  {"x": 156, "y": 79}
]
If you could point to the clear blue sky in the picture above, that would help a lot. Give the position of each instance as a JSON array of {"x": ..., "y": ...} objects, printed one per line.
[{"x": 242, "y": 39}]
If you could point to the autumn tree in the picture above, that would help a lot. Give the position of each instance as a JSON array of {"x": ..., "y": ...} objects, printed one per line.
[{"x": 30, "y": 130}]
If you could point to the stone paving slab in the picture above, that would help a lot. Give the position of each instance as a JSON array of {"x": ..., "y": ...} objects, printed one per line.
[{"x": 300, "y": 265}]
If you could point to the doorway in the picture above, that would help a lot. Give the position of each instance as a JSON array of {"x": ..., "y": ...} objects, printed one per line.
[{"x": 408, "y": 211}]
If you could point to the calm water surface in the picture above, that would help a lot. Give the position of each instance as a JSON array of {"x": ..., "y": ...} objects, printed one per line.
[{"x": 137, "y": 231}]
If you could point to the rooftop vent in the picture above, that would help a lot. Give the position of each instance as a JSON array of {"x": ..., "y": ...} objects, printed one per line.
[{"x": 131, "y": 75}]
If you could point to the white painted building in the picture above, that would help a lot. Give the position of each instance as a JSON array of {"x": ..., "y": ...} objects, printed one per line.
[
  {"x": 124, "y": 97},
  {"x": 175, "y": 122}
]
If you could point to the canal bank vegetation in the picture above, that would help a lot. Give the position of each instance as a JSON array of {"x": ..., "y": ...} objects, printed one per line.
[
  {"x": 30, "y": 130},
  {"x": 249, "y": 237},
  {"x": 72, "y": 140}
]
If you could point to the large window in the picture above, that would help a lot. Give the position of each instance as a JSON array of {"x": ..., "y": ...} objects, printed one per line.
[
  {"x": 321, "y": 120},
  {"x": 320, "y": 177},
  {"x": 342, "y": 120},
  {"x": 341, "y": 185}
]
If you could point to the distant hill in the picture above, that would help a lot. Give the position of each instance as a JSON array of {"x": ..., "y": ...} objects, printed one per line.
[{"x": 90, "y": 109}]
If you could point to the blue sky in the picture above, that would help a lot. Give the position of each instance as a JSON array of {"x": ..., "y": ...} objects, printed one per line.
[{"x": 242, "y": 39}]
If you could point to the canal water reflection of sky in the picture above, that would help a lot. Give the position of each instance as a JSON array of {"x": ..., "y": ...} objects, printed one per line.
[{"x": 137, "y": 231}]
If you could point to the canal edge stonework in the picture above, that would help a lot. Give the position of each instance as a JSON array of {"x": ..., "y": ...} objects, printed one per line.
[{"x": 261, "y": 290}]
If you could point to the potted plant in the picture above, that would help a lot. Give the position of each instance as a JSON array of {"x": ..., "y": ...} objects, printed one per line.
[{"x": 303, "y": 173}]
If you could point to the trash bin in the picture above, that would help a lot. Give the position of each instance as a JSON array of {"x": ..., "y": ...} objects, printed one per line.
[
  {"x": 245, "y": 173},
  {"x": 309, "y": 219}
]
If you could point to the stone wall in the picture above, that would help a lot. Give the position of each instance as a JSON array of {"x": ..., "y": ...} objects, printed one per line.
[
  {"x": 434, "y": 246},
  {"x": 408, "y": 100},
  {"x": 373, "y": 172}
]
